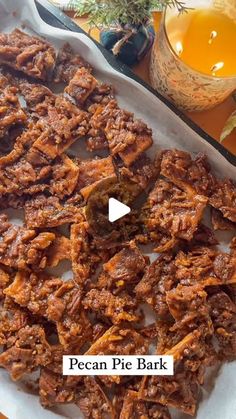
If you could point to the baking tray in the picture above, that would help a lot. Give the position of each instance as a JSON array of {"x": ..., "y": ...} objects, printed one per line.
[{"x": 55, "y": 17}]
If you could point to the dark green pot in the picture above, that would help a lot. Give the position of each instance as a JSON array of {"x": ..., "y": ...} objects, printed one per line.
[{"x": 135, "y": 48}]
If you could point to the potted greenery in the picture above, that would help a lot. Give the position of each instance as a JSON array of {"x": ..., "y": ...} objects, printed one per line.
[{"x": 125, "y": 24}]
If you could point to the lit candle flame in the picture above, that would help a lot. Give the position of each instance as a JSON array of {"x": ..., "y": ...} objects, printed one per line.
[
  {"x": 213, "y": 35},
  {"x": 217, "y": 67},
  {"x": 179, "y": 48}
]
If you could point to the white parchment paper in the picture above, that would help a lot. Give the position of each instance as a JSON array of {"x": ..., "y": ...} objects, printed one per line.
[{"x": 219, "y": 394}]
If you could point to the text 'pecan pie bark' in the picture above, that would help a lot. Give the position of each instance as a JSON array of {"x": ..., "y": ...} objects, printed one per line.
[{"x": 104, "y": 308}]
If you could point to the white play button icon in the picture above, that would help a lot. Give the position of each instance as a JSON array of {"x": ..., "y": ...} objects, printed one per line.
[{"x": 117, "y": 210}]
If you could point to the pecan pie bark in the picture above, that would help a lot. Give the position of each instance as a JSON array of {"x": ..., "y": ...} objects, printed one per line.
[
  {"x": 33, "y": 56},
  {"x": 171, "y": 209},
  {"x": 17, "y": 171},
  {"x": 86, "y": 392},
  {"x": 81, "y": 86},
  {"x": 33, "y": 93},
  {"x": 11, "y": 112},
  {"x": 224, "y": 198},
  {"x": 134, "y": 408},
  {"x": 187, "y": 173},
  {"x": 83, "y": 258},
  {"x": 30, "y": 351},
  {"x": 55, "y": 389},
  {"x": 183, "y": 171},
  {"x": 5, "y": 278},
  {"x": 22, "y": 248},
  {"x": 92, "y": 400},
  {"x": 57, "y": 301},
  {"x": 117, "y": 309},
  {"x": 43, "y": 212},
  {"x": 159, "y": 278},
  {"x": 223, "y": 314},
  {"x": 91, "y": 172},
  {"x": 60, "y": 124},
  {"x": 204, "y": 264},
  {"x": 182, "y": 389},
  {"x": 123, "y": 270},
  {"x": 188, "y": 306},
  {"x": 127, "y": 138},
  {"x": 65, "y": 174}
]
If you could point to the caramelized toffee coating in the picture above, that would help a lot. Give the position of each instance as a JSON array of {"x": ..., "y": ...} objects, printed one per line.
[
  {"x": 33, "y": 56},
  {"x": 22, "y": 248},
  {"x": 171, "y": 209},
  {"x": 11, "y": 112},
  {"x": 81, "y": 86}
]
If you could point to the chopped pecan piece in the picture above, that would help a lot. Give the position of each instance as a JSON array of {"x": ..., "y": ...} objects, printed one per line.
[
  {"x": 81, "y": 85},
  {"x": 123, "y": 269},
  {"x": 21, "y": 247},
  {"x": 43, "y": 212},
  {"x": 133, "y": 408},
  {"x": 92, "y": 401},
  {"x": 181, "y": 390},
  {"x": 4, "y": 281},
  {"x": 84, "y": 260},
  {"x": 224, "y": 198},
  {"x": 55, "y": 389},
  {"x": 59, "y": 250},
  {"x": 59, "y": 302},
  {"x": 12, "y": 319},
  {"x": 60, "y": 124},
  {"x": 157, "y": 280},
  {"x": 127, "y": 137},
  {"x": 179, "y": 167},
  {"x": 30, "y": 351},
  {"x": 11, "y": 112},
  {"x": 34, "y": 56},
  {"x": 65, "y": 174},
  {"x": 170, "y": 209},
  {"x": 116, "y": 309},
  {"x": 188, "y": 305},
  {"x": 91, "y": 172},
  {"x": 223, "y": 314}
]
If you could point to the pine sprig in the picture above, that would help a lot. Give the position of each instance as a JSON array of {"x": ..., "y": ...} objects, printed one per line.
[{"x": 121, "y": 12}]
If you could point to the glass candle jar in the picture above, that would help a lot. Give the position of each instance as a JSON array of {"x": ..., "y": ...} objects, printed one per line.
[{"x": 193, "y": 61}]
